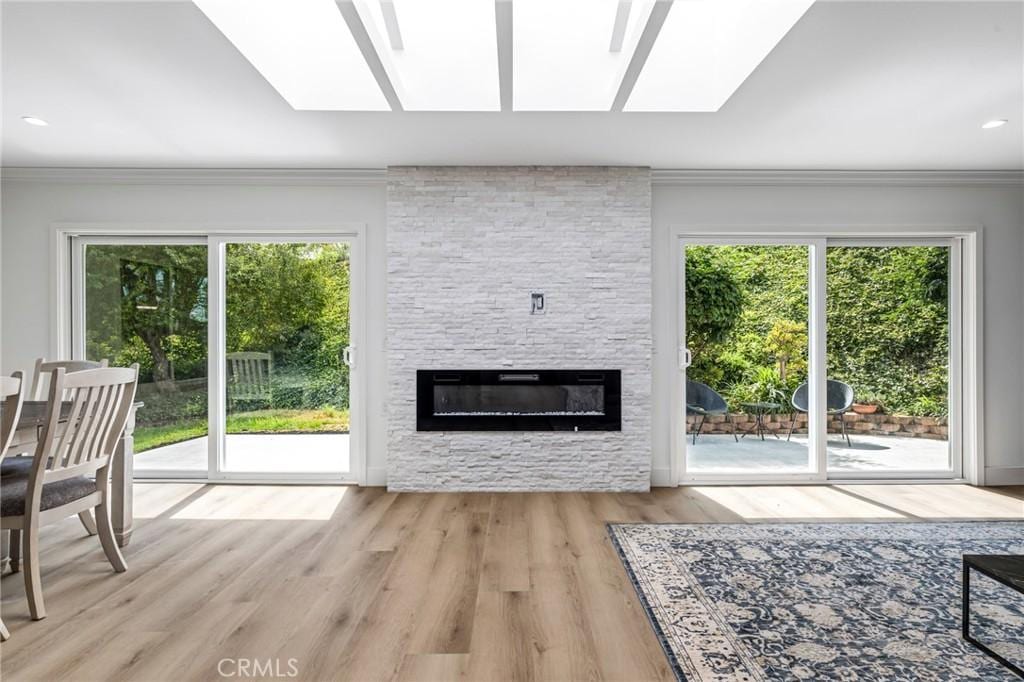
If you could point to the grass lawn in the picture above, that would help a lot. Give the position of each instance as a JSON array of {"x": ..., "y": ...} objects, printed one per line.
[{"x": 264, "y": 421}]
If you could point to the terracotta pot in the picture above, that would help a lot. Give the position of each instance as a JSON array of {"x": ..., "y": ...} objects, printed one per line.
[{"x": 865, "y": 409}]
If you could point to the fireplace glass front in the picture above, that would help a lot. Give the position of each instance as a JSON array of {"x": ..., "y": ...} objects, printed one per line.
[{"x": 518, "y": 400}]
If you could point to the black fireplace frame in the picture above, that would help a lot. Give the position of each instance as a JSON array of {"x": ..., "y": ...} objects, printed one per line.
[{"x": 610, "y": 379}]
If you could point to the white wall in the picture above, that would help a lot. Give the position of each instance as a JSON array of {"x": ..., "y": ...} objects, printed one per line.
[
  {"x": 756, "y": 205},
  {"x": 466, "y": 247},
  {"x": 30, "y": 208}
]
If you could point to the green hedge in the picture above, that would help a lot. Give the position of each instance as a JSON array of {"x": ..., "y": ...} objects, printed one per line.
[{"x": 887, "y": 322}]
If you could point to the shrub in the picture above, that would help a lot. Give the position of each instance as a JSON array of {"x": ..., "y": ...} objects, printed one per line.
[{"x": 886, "y": 321}]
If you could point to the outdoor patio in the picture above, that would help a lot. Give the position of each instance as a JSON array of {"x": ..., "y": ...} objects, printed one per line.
[
  {"x": 283, "y": 453},
  {"x": 721, "y": 453}
]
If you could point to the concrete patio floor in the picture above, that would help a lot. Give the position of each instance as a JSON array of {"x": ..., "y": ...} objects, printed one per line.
[
  {"x": 329, "y": 452},
  {"x": 720, "y": 453},
  {"x": 251, "y": 453}
]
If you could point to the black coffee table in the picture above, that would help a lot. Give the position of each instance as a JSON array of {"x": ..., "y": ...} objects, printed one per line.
[
  {"x": 759, "y": 410},
  {"x": 1006, "y": 569}
]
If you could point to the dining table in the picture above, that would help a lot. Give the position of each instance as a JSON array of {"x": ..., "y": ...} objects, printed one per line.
[{"x": 29, "y": 429}]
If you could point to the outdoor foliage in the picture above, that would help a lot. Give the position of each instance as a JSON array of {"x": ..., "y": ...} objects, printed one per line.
[
  {"x": 714, "y": 300},
  {"x": 148, "y": 304},
  {"x": 293, "y": 301},
  {"x": 887, "y": 323}
]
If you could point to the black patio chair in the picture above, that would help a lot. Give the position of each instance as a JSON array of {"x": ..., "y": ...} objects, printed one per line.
[
  {"x": 703, "y": 400},
  {"x": 838, "y": 401}
]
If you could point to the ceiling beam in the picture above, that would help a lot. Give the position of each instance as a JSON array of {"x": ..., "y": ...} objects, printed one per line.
[
  {"x": 387, "y": 8},
  {"x": 365, "y": 43},
  {"x": 503, "y": 24},
  {"x": 643, "y": 50},
  {"x": 619, "y": 27}
]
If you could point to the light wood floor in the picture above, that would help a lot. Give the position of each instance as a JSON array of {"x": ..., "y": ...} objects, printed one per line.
[{"x": 361, "y": 584}]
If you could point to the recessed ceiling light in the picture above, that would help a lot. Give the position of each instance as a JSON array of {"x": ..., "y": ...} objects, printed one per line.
[
  {"x": 995, "y": 123},
  {"x": 33, "y": 121}
]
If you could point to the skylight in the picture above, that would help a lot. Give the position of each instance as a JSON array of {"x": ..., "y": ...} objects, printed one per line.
[
  {"x": 707, "y": 48},
  {"x": 486, "y": 55},
  {"x": 303, "y": 48},
  {"x": 439, "y": 56},
  {"x": 562, "y": 56}
]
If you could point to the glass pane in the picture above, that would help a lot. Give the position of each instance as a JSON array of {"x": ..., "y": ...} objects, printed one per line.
[
  {"x": 287, "y": 383},
  {"x": 518, "y": 400},
  {"x": 147, "y": 304},
  {"x": 888, "y": 340},
  {"x": 747, "y": 332}
]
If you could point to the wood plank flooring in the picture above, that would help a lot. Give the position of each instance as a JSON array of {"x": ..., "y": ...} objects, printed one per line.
[{"x": 362, "y": 584}]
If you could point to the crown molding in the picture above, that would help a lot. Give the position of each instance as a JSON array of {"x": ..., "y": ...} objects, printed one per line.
[
  {"x": 781, "y": 178},
  {"x": 349, "y": 177},
  {"x": 197, "y": 176}
]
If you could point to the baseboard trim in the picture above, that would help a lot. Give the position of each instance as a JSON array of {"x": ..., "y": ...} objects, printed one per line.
[
  {"x": 662, "y": 478},
  {"x": 996, "y": 476},
  {"x": 376, "y": 476}
]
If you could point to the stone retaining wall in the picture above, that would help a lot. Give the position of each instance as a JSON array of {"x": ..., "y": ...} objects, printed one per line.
[{"x": 903, "y": 426}]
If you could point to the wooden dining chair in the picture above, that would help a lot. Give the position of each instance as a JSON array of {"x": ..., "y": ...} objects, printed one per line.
[
  {"x": 12, "y": 391},
  {"x": 68, "y": 452},
  {"x": 43, "y": 371}
]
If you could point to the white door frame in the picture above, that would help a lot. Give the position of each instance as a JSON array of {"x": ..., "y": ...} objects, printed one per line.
[
  {"x": 955, "y": 377},
  {"x": 66, "y": 310},
  {"x": 966, "y": 348},
  {"x": 218, "y": 362},
  {"x": 77, "y": 335},
  {"x": 817, "y": 456}
]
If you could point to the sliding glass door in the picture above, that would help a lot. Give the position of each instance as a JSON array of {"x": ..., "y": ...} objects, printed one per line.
[
  {"x": 284, "y": 357},
  {"x": 819, "y": 358},
  {"x": 245, "y": 345},
  {"x": 747, "y": 330},
  {"x": 893, "y": 323},
  {"x": 747, "y": 334},
  {"x": 145, "y": 301}
]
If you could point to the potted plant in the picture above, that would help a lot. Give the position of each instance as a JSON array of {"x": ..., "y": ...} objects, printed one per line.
[{"x": 869, "y": 403}]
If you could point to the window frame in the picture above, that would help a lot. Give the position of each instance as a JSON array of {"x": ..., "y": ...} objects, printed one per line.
[{"x": 67, "y": 316}]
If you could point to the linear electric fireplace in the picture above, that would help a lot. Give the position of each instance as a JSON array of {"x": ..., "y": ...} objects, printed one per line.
[{"x": 519, "y": 400}]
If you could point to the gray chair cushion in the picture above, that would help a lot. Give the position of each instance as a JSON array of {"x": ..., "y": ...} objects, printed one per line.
[
  {"x": 13, "y": 488},
  {"x": 15, "y": 465}
]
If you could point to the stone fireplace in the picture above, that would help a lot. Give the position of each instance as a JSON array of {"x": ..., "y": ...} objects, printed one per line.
[{"x": 469, "y": 250}]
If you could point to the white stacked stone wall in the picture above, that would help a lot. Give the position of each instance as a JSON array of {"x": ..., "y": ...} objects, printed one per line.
[{"x": 466, "y": 247}]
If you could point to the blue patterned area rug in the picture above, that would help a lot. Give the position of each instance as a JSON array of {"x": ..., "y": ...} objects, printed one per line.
[{"x": 877, "y": 601}]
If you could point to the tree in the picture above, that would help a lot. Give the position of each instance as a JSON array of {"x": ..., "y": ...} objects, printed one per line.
[
  {"x": 292, "y": 300},
  {"x": 151, "y": 296},
  {"x": 887, "y": 320},
  {"x": 787, "y": 340},
  {"x": 148, "y": 304},
  {"x": 714, "y": 300}
]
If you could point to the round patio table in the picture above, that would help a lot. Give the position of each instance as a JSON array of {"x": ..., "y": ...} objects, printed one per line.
[{"x": 759, "y": 410}]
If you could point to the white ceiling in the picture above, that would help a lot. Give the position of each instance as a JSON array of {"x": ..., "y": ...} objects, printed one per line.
[{"x": 854, "y": 85}]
